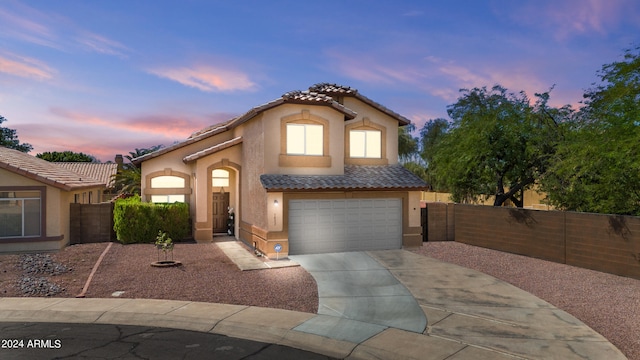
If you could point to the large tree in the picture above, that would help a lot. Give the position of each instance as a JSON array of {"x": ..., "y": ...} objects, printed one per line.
[
  {"x": 431, "y": 134},
  {"x": 9, "y": 138},
  {"x": 597, "y": 168},
  {"x": 66, "y": 156},
  {"x": 498, "y": 144}
]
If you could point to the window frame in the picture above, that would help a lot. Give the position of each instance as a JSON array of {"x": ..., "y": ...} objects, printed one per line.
[
  {"x": 366, "y": 132},
  {"x": 41, "y": 212},
  {"x": 302, "y": 160},
  {"x": 365, "y": 124},
  {"x": 185, "y": 191},
  {"x": 306, "y": 137}
]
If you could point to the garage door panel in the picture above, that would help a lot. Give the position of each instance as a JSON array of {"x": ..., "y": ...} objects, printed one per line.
[{"x": 321, "y": 226}]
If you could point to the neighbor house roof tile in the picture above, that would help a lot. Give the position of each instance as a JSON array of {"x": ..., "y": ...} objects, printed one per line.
[
  {"x": 356, "y": 177},
  {"x": 101, "y": 172},
  {"x": 44, "y": 171}
]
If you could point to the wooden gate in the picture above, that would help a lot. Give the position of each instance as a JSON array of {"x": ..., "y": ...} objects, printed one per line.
[{"x": 91, "y": 223}]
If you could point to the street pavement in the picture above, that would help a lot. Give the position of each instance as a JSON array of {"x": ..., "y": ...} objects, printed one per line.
[{"x": 35, "y": 341}]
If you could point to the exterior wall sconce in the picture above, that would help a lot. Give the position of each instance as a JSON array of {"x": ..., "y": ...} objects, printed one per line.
[{"x": 275, "y": 203}]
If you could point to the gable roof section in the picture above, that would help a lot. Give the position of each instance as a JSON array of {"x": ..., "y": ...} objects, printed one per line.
[
  {"x": 44, "y": 171},
  {"x": 356, "y": 177},
  {"x": 213, "y": 149},
  {"x": 101, "y": 172},
  {"x": 292, "y": 97},
  {"x": 340, "y": 90}
]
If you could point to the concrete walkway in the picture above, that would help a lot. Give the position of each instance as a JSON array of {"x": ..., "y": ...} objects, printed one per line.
[{"x": 470, "y": 316}]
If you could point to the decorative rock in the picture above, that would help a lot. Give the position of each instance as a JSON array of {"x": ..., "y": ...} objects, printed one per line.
[{"x": 34, "y": 264}]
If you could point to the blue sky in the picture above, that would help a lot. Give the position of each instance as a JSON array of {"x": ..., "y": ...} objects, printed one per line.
[{"x": 106, "y": 77}]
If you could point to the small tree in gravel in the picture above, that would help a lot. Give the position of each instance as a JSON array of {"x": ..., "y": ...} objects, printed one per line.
[{"x": 164, "y": 244}]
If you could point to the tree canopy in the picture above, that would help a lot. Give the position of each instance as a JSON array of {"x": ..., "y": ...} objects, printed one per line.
[
  {"x": 597, "y": 167},
  {"x": 9, "y": 138},
  {"x": 498, "y": 144},
  {"x": 66, "y": 156}
]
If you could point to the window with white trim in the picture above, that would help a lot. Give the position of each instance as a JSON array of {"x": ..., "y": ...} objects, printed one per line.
[
  {"x": 304, "y": 139},
  {"x": 20, "y": 214},
  {"x": 365, "y": 144}
]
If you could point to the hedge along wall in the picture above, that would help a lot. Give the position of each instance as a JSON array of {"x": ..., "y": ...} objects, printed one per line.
[
  {"x": 607, "y": 243},
  {"x": 139, "y": 222}
]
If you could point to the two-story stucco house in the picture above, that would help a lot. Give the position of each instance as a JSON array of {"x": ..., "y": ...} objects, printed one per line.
[{"x": 310, "y": 172}]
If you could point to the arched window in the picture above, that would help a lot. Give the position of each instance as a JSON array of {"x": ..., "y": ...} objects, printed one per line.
[{"x": 167, "y": 187}]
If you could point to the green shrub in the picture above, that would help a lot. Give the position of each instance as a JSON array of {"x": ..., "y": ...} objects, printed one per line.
[
  {"x": 139, "y": 222},
  {"x": 174, "y": 219}
]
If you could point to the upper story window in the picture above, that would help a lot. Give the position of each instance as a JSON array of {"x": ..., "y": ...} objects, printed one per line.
[
  {"x": 20, "y": 213},
  {"x": 365, "y": 144},
  {"x": 305, "y": 139}
]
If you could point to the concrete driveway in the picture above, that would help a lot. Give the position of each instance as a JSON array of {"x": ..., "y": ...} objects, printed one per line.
[{"x": 354, "y": 286}]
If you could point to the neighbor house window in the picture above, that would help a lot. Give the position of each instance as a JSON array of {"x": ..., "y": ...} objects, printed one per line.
[
  {"x": 20, "y": 214},
  {"x": 365, "y": 144},
  {"x": 304, "y": 139}
]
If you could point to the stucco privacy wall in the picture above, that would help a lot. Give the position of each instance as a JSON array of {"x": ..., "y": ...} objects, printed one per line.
[{"x": 608, "y": 243}]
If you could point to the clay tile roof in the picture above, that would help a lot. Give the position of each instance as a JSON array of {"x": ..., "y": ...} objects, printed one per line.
[
  {"x": 341, "y": 90},
  {"x": 356, "y": 177},
  {"x": 44, "y": 171},
  {"x": 327, "y": 88},
  {"x": 101, "y": 172},
  {"x": 212, "y": 149}
]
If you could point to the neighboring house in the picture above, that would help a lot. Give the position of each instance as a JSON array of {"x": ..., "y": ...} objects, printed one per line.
[
  {"x": 35, "y": 197},
  {"x": 310, "y": 172}
]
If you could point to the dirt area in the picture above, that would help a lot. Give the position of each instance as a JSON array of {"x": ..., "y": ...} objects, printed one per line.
[{"x": 206, "y": 275}]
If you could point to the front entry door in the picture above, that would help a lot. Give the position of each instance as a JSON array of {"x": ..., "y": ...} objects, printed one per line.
[{"x": 220, "y": 211}]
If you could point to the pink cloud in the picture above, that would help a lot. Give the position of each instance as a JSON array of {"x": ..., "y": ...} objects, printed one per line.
[
  {"x": 100, "y": 44},
  {"x": 103, "y": 136},
  {"x": 206, "y": 77},
  {"x": 25, "y": 67},
  {"x": 26, "y": 24},
  {"x": 571, "y": 17},
  {"x": 170, "y": 127}
]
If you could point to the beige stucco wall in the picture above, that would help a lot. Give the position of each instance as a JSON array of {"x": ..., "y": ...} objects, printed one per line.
[
  {"x": 254, "y": 196},
  {"x": 413, "y": 208},
  {"x": 273, "y": 137}
]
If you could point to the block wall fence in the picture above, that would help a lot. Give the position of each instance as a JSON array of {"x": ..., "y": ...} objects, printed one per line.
[{"x": 607, "y": 243}]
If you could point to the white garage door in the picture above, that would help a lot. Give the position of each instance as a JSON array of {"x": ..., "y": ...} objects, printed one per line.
[{"x": 323, "y": 226}]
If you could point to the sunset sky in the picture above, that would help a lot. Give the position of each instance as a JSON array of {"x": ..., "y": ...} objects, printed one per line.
[{"x": 106, "y": 77}]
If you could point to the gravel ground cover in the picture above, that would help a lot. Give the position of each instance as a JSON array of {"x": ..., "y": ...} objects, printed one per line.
[
  {"x": 206, "y": 275},
  {"x": 609, "y": 304}
]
